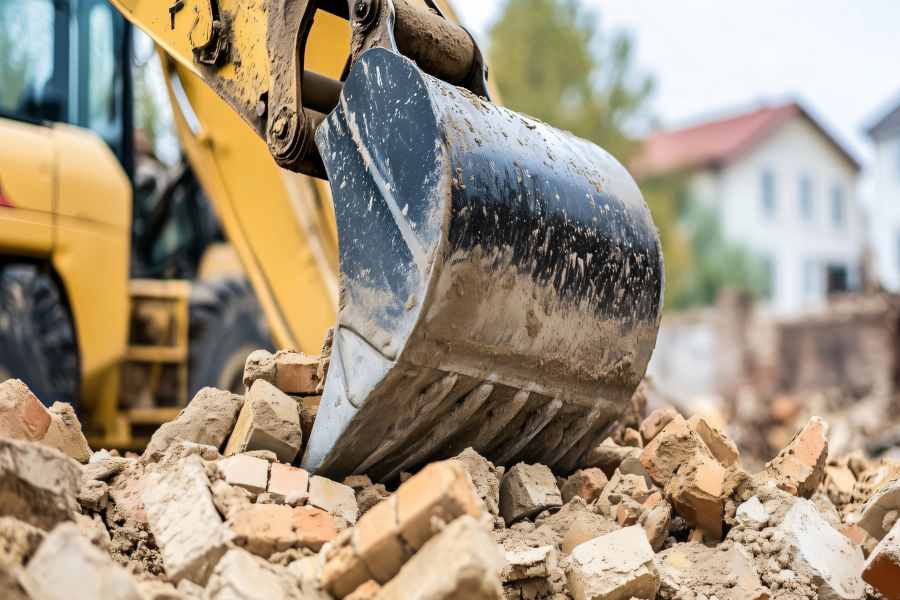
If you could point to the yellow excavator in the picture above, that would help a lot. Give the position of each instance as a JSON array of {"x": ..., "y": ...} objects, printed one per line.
[{"x": 490, "y": 281}]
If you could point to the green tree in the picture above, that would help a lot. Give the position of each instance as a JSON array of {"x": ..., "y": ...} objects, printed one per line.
[{"x": 550, "y": 61}]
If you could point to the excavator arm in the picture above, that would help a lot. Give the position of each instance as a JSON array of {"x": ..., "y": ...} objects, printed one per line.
[
  {"x": 500, "y": 281},
  {"x": 253, "y": 55}
]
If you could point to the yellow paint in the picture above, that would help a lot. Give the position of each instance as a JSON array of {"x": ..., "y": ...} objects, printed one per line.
[{"x": 26, "y": 180}]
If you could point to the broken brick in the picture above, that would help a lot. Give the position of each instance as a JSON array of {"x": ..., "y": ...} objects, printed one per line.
[
  {"x": 656, "y": 422},
  {"x": 676, "y": 445},
  {"x": 334, "y": 498},
  {"x": 314, "y": 527},
  {"x": 882, "y": 569},
  {"x": 720, "y": 445},
  {"x": 608, "y": 456},
  {"x": 527, "y": 490},
  {"x": 587, "y": 484},
  {"x": 264, "y": 529},
  {"x": 800, "y": 466},
  {"x": 247, "y": 472},
  {"x": 616, "y": 565},
  {"x": 284, "y": 479},
  {"x": 22, "y": 416},
  {"x": 269, "y": 420}
]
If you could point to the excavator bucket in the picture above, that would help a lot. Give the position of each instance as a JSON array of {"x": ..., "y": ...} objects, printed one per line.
[{"x": 501, "y": 282}]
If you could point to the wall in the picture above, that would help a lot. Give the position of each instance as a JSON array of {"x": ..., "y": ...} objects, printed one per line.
[{"x": 884, "y": 223}]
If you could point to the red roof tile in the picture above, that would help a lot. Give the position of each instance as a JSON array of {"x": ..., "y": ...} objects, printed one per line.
[{"x": 718, "y": 142}]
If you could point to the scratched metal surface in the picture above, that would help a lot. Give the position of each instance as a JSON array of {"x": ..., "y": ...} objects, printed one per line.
[{"x": 501, "y": 281}]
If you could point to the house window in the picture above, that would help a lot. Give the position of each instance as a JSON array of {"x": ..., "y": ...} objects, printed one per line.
[
  {"x": 838, "y": 208},
  {"x": 837, "y": 280},
  {"x": 806, "y": 198},
  {"x": 768, "y": 193},
  {"x": 809, "y": 278}
]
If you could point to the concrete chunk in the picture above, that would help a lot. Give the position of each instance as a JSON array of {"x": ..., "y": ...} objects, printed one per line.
[
  {"x": 269, "y": 420},
  {"x": 460, "y": 562},
  {"x": 882, "y": 502},
  {"x": 752, "y": 514},
  {"x": 584, "y": 528},
  {"x": 829, "y": 559},
  {"x": 69, "y": 567},
  {"x": 527, "y": 490},
  {"x": 38, "y": 484},
  {"x": 608, "y": 456},
  {"x": 208, "y": 420},
  {"x": 525, "y": 564},
  {"x": 241, "y": 575},
  {"x": 22, "y": 416},
  {"x": 65, "y": 434},
  {"x": 185, "y": 524},
  {"x": 728, "y": 573},
  {"x": 882, "y": 569},
  {"x": 486, "y": 478},
  {"x": 617, "y": 566},
  {"x": 247, "y": 472},
  {"x": 334, "y": 498}
]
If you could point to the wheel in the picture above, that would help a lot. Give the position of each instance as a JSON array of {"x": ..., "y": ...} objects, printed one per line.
[
  {"x": 37, "y": 335},
  {"x": 226, "y": 324}
]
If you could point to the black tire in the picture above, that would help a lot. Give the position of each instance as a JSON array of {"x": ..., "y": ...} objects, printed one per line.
[
  {"x": 226, "y": 325},
  {"x": 37, "y": 335}
]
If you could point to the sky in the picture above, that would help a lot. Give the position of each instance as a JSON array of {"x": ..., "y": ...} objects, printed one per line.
[{"x": 839, "y": 58}]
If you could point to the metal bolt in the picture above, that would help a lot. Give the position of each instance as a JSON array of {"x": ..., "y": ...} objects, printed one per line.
[
  {"x": 260, "y": 108},
  {"x": 364, "y": 10}
]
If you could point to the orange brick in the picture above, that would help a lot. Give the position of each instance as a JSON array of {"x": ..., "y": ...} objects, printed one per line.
[
  {"x": 22, "y": 416},
  {"x": 856, "y": 533},
  {"x": 441, "y": 490},
  {"x": 698, "y": 495},
  {"x": 674, "y": 446},
  {"x": 264, "y": 529},
  {"x": 882, "y": 569},
  {"x": 800, "y": 467},
  {"x": 656, "y": 422},
  {"x": 587, "y": 484},
  {"x": 632, "y": 438},
  {"x": 720, "y": 445},
  {"x": 284, "y": 479},
  {"x": 313, "y": 526},
  {"x": 379, "y": 543},
  {"x": 296, "y": 374}
]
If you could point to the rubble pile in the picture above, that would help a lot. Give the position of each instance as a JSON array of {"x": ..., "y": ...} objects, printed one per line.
[{"x": 215, "y": 509}]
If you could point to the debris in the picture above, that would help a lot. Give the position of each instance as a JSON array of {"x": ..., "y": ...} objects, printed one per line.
[
  {"x": 634, "y": 411},
  {"x": 839, "y": 483},
  {"x": 632, "y": 438},
  {"x": 366, "y": 591},
  {"x": 608, "y": 456},
  {"x": 247, "y": 472},
  {"x": 882, "y": 569},
  {"x": 185, "y": 523},
  {"x": 284, "y": 479},
  {"x": 22, "y": 416},
  {"x": 269, "y": 420},
  {"x": 585, "y": 528},
  {"x": 313, "y": 527},
  {"x": 588, "y": 484},
  {"x": 699, "y": 491},
  {"x": 65, "y": 434},
  {"x": 486, "y": 478},
  {"x": 291, "y": 372},
  {"x": 334, "y": 498},
  {"x": 882, "y": 510},
  {"x": 692, "y": 570},
  {"x": 672, "y": 447},
  {"x": 722, "y": 448},
  {"x": 818, "y": 551},
  {"x": 208, "y": 420},
  {"x": 264, "y": 529},
  {"x": 67, "y": 566},
  {"x": 752, "y": 514},
  {"x": 460, "y": 562},
  {"x": 93, "y": 495},
  {"x": 617, "y": 565},
  {"x": 38, "y": 484},
  {"x": 526, "y": 490},
  {"x": 800, "y": 467},
  {"x": 633, "y": 486},
  {"x": 657, "y": 521},
  {"x": 656, "y": 422},
  {"x": 240, "y": 574},
  {"x": 526, "y": 564}
]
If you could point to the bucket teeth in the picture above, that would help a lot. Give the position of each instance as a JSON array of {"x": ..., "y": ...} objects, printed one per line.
[{"x": 501, "y": 281}]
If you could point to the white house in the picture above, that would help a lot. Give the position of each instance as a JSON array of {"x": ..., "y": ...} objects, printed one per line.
[
  {"x": 783, "y": 188},
  {"x": 884, "y": 225}
]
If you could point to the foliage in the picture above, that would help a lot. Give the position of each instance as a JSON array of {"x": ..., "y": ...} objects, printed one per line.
[
  {"x": 717, "y": 263},
  {"x": 549, "y": 61}
]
